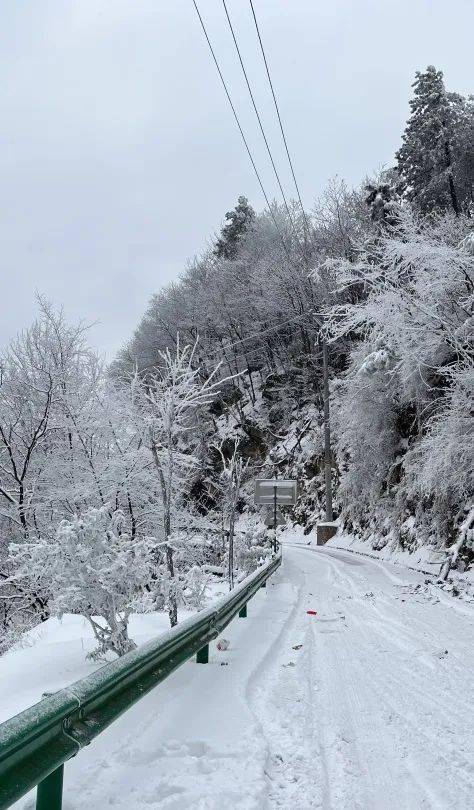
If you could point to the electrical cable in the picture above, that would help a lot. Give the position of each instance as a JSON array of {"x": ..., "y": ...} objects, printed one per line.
[
  {"x": 260, "y": 122},
  {"x": 279, "y": 117},
  {"x": 240, "y": 128},
  {"x": 276, "y": 328},
  {"x": 266, "y": 331}
]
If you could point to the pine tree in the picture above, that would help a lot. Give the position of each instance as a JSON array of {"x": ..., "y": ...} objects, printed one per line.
[
  {"x": 432, "y": 157},
  {"x": 463, "y": 148},
  {"x": 238, "y": 222},
  {"x": 383, "y": 200}
]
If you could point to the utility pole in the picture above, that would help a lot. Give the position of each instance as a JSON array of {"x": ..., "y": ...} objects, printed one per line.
[
  {"x": 275, "y": 512},
  {"x": 327, "y": 434}
]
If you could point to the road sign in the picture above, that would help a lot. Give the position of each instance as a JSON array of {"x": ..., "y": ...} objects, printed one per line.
[{"x": 280, "y": 492}]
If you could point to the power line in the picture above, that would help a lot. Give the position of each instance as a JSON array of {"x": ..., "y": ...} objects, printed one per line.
[
  {"x": 267, "y": 331},
  {"x": 259, "y": 120},
  {"x": 240, "y": 128},
  {"x": 279, "y": 117}
]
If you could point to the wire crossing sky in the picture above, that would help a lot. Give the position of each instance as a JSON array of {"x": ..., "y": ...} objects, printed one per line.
[
  {"x": 119, "y": 155},
  {"x": 272, "y": 161},
  {"x": 244, "y": 139},
  {"x": 280, "y": 123}
]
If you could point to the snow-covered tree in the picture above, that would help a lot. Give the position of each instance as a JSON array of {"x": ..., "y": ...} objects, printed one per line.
[
  {"x": 402, "y": 409},
  {"x": 436, "y": 160},
  {"x": 35, "y": 371},
  {"x": 238, "y": 222},
  {"x": 42, "y": 366},
  {"x": 67, "y": 443},
  {"x": 92, "y": 567},
  {"x": 230, "y": 480},
  {"x": 340, "y": 220},
  {"x": 383, "y": 201},
  {"x": 168, "y": 403}
]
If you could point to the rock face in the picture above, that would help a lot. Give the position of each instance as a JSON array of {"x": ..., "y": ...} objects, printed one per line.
[{"x": 324, "y": 532}]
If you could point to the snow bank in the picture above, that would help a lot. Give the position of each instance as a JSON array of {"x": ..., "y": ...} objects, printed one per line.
[
  {"x": 423, "y": 559},
  {"x": 53, "y": 655}
]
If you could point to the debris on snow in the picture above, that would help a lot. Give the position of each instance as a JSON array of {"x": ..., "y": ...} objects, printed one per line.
[{"x": 223, "y": 644}]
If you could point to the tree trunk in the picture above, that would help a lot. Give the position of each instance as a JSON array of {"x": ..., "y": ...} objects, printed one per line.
[
  {"x": 21, "y": 508},
  {"x": 166, "y": 495},
  {"x": 465, "y": 530},
  {"x": 231, "y": 552},
  {"x": 172, "y": 602},
  {"x": 452, "y": 188}
]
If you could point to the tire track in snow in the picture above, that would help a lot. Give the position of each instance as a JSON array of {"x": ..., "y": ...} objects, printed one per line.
[
  {"x": 413, "y": 635},
  {"x": 420, "y": 643},
  {"x": 434, "y": 754},
  {"x": 281, "y": 698},
  {"x": 359, "y": 738}
]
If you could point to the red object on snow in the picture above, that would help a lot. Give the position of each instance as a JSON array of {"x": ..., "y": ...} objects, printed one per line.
[{"x": 311, "y": 613}]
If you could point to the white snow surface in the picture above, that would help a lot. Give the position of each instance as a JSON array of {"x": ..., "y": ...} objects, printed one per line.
[
  {"x": 424, "y": 559},
  {"x": 368, "y": 705}
]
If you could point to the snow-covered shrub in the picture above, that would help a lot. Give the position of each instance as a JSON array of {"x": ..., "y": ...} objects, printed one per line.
[
  {"x": 252, "y": 546},
  {"x": 195, "y": 587},
  {"x": 193, "y": 554},
  {"x": 92, "y": 568}
]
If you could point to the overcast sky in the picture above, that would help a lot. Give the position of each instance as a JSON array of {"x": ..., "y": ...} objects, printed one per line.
[{"x": 119, "y": 155}]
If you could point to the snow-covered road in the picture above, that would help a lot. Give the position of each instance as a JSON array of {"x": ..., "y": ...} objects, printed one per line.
[
  {"x": 378, "y": 710},
  {"x": 368, "y": 704}
]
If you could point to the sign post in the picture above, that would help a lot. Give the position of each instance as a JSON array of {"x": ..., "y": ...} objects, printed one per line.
[{"x": 274, "y": 492}]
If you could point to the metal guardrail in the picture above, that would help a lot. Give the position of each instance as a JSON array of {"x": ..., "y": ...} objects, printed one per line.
[{"x": 35, "y": 744}]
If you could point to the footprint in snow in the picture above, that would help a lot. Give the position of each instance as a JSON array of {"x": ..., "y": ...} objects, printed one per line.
[{"x": 162, "y": 791}]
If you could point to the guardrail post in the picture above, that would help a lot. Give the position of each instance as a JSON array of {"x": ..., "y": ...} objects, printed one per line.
[
  {"x": 243, "y": 612},
  {"x": 202, "y": 655},
  {"x": 49, "y": 794}
]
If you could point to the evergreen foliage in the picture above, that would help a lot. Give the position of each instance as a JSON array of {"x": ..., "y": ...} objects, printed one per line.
[
  {"x": 237, "y": 224},
  {"x": 436, "y": 160}
]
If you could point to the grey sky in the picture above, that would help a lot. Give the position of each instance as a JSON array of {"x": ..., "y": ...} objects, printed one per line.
[{"x": 119, "y": 155}]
